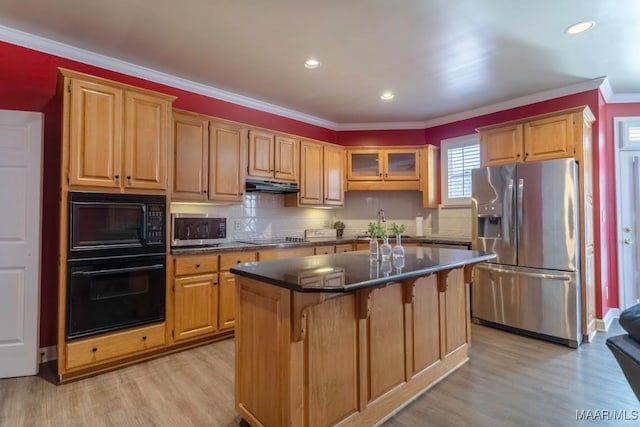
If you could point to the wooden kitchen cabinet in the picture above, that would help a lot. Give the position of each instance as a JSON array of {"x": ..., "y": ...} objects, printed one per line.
[
  {"x": 272, "y": 254},
  {"x": 272, "y": 156},
  {"x": 112, "y": 346},
  {"x": 321, "y": 175},
  {"x": 208, "y": 158},
  {"x": 227, "y": 287},
  {"x": 543, "y": 138},
  {"x": 325, "y": 250},
  {"x": 346, "y": 247},
  {"x": 378, "y": 168},
  {"x": 117, "y": 135},
  {"x": 195, "y": 296}
]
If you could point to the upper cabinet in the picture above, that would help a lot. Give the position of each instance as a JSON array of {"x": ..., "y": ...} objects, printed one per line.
[
  {"x": 115, "y": 136},
  {"x": 321, "y": 175},
  {"x": 208, "y": 158},
  {"x": 272, "y": 156},
  {"x": 543, "y": 138},
  {"x": 383, "y": 169}
]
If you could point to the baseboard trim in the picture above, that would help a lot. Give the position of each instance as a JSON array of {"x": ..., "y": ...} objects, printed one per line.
[
  {"x": 48, "y": 354},
  {"x": 605, "y": 323}
]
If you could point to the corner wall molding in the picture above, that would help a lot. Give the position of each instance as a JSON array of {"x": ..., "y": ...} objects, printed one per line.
[
  {"x": 48, "y": 353},
  {"x": 604, "y": 324}
]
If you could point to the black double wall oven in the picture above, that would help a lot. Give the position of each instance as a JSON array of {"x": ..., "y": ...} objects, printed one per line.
[{"x": 116, "y": 262}]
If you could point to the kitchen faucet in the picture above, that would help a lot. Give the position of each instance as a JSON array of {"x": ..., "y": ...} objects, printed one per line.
[{"x": 381, "y": 217}]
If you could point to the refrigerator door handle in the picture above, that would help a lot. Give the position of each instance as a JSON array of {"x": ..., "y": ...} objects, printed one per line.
[
  {"x": 508, "y": 227},
  {"x": 519, "y": 208},
  {"x": 562, "y": 277}
]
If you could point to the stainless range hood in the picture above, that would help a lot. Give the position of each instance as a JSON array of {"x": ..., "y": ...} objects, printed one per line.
[{"x": 265, "y": 186}]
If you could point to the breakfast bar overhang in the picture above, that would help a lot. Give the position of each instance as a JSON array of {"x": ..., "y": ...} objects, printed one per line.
[{"x": 341, "y": 339}]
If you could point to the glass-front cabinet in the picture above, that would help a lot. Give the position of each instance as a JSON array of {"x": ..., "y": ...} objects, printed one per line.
[{"x": 383, "y": 165}]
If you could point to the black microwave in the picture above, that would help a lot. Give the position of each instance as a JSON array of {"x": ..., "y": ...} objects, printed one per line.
[
  {"x": 197, "y": 230},
  {"x": 106, "y": 224}
]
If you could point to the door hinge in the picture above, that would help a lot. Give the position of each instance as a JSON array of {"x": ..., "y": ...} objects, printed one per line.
[
  {"x": 173, "y": 288},
  {"x": 67, "y": 178},
  {"x": 69, "y": 87},
  {"x": 173, "y": 334}
]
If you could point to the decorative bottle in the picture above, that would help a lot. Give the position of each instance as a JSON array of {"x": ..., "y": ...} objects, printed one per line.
[
  {"x": 385, "y": 249},
  {"x": 373, "y": 248},
  {"x": 398, "y": 250}
]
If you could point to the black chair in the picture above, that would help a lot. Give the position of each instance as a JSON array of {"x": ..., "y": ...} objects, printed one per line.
[{"x": 626, "y": 347}]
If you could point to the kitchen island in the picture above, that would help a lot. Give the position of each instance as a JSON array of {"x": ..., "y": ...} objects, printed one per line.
[{"x": 340, "y": 339}]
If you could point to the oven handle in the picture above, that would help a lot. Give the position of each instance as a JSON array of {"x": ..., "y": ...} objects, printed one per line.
[{"x": 118, "y": 270}]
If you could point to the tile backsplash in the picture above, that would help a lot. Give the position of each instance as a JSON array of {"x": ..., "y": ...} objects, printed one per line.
[{"x": 263, "y": 215}]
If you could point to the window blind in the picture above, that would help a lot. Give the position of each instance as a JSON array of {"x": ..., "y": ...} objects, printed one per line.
[{"x": 460, "y": 161}]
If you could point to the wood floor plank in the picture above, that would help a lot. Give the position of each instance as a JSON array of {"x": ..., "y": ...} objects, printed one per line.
[{"x": 510, "y": 380}]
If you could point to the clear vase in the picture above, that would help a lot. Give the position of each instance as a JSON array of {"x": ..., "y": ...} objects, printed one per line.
[
  {"x": 385, "y": 249},
  {"x": 398, "y": 250},
  {"x": 373, "y": 248}
]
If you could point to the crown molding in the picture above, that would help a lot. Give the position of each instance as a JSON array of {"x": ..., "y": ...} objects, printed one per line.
[
  {"x": 53, "y": 47},
  {"x": 380, "y": 126},
  {"x": 517, "y": 102}
]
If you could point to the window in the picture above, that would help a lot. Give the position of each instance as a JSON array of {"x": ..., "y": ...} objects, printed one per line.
[
  {"x": 628, "y": 132},
  {"x": 458, "y": 157}
]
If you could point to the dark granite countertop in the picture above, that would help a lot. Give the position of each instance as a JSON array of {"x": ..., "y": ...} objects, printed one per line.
[
  {"x": 349, "y": 271},
  {"x": 232, "y": 246}
]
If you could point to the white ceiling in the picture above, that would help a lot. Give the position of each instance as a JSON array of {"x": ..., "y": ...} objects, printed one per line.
[{"x": 440, "y": 57}]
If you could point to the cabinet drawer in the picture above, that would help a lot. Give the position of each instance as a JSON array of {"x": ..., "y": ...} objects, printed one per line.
[
  {"x": 322, "y": 250},
  {"x": 94, "y": 350},
  {"x": 347, "y": 247},
  {"x": 229, "y": 260},
  {"x": 196, "y": 264}
]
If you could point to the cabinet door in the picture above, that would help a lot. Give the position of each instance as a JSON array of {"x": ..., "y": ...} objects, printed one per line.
[
  {"x": 195, "y": 306},
  {"x": 227, "y": 300},
  {"x": 95, "y": 134},
  {"x": 501, "y": 146},
  {"x": 145, "y": 145},
  {"x": 286, "y": 158},
  {"x": 333, "y": 176},
  {"x": 261, "y": 156},
  {"x": 190, "y": 157},
  {"x": 226, "y": 159},
  {"x": 401, "y": 165},
  {"x": 311, "y": 184},
  {"x": 549, "y": 138},
  {"x": 325, "y": 250},
  {"x": 364, "y": 165}
]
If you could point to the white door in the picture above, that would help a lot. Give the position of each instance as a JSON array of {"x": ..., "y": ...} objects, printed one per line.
[
  {"x": 20, "y": 207},
  {"x": 628, "y": 203}
]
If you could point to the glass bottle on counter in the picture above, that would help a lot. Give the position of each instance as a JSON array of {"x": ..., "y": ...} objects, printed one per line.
[
  {"x": 398, "y": 250},
  {"x": 385, "y": 249},
  {"x": 373, "y": 248}
]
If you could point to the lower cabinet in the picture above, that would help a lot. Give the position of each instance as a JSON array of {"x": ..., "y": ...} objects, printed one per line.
[
  {"x": 113, "y": 346},
  {"x": 195, "y": 296},
  {"x": 227, "y": 287},
  {"x": 195, "y": 306}
]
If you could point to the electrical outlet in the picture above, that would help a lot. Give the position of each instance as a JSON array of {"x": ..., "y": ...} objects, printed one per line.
[{"x": 236, "y": 225}]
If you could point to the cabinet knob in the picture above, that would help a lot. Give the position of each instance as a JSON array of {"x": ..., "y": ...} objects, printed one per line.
[
  {"x": 386, "y": 174},
  {"x": 518, "y": 155},
  {"x": 526, "y": 154},
  {"x": 144, "y": 338},
  {"x": 129, "y": 177},
  {"x": 238, "y": 262},
  {"x": 204, "y": 192},
  {"x": 94, "y": 349},
  {"x": 380, "y": 174},
  {"x": 197, "y": 265},
  {"x": 117, "y": 178},
  {"x": 215, "y": 283}
]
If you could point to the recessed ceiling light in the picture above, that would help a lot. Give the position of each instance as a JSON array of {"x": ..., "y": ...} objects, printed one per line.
[
  {"x": 311, "y": 63},
  {"x": 580, "y": 27},
  {"x": 386, "y": 96}
]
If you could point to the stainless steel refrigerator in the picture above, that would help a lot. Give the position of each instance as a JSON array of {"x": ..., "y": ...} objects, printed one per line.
[{"x": 528, "y": 215}]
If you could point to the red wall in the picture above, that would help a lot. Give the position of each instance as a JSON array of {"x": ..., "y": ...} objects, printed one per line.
[
  {"x": 28, "y": 82},
  {"x": 608, "y": 177}
]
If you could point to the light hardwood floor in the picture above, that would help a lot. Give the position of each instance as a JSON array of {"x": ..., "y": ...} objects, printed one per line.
[{"x": 510, "y": 380}]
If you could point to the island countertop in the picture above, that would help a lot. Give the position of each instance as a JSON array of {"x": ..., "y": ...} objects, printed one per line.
[{"x": 345, "y": 272}]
